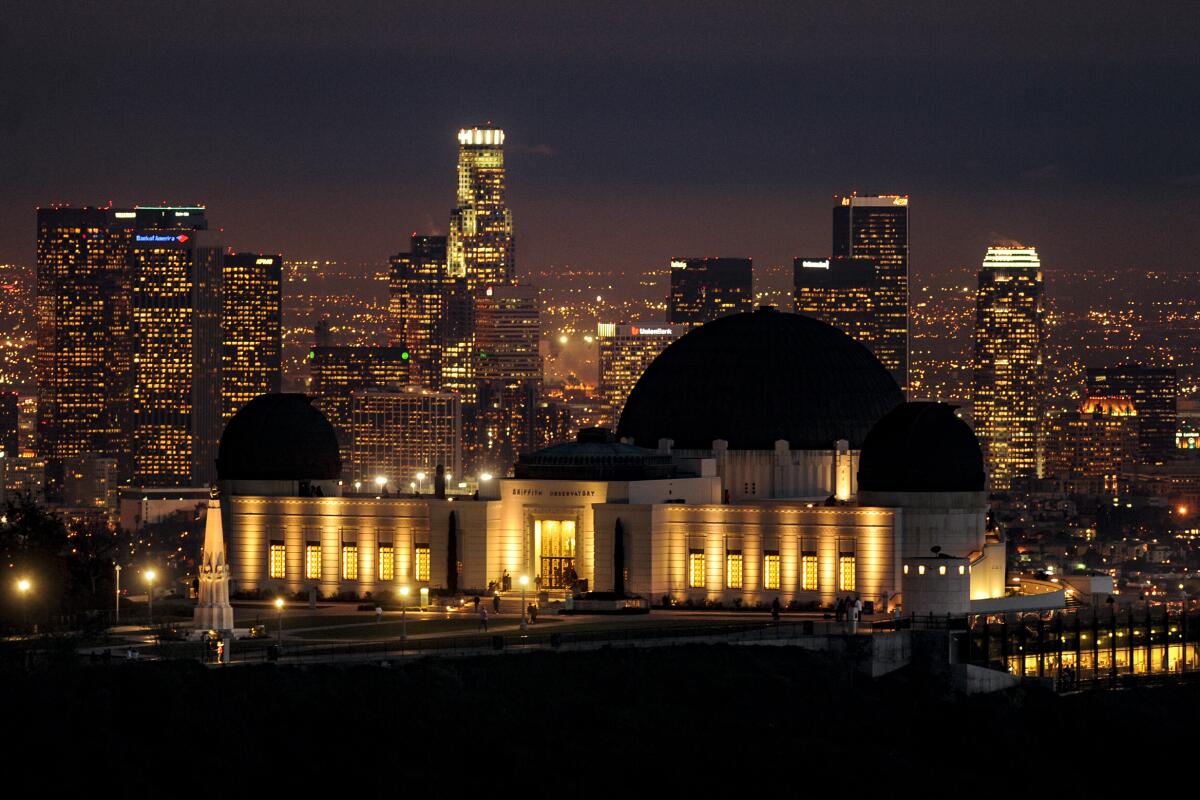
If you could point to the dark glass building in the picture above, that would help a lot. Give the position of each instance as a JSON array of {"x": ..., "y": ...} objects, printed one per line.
[
  {"x": 840, "y": 291},
  {"x": 876, "y": 227},
  {"x": 704, "y": 289},
  {"x": 1154, "y": 392},
  {"x": 338, "y": 372}
]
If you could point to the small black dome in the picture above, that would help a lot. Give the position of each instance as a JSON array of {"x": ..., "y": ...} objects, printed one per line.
[
  {"x": 279, "y": 437},
  {"x": 921, "y": 447},
  {"x": 757, "y": 377}
]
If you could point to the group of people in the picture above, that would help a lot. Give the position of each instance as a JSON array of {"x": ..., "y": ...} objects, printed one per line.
[{"x": 848, "y": 610}]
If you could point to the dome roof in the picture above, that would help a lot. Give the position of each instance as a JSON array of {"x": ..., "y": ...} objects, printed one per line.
[
  {"x": 921, "y": 447},
  {"x": 757, "y": 377},
  {"x": 279, "y": 437},
  {"x": 595, "y": 456}
]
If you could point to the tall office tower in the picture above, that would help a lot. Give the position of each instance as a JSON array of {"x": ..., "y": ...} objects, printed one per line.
[
  {"x": 338, "y": 372},
  {"x": 480, "y": 244},
  {"x": 840, "y": 291},
  {"x": 83, "y": 345},
  {"x": 1009, "y": 380},
  {"x": 252, "y": 329},
  {"x": 703, "y": 289},
  {"x": 625, "y": 352},
  {"x": 508, "y": 376},
  {"x": 1093, "y": 450},
  {"x": 552, "y": 424},
  {"x": 401, "y": 431},
  {"x": 175, "y": 264},
  {"x": 91, "y": 481},
  {"x": 10, "y": 424},
  {"x": 876, "y": 227},
  {"x": 418, "y": 292},
  {"x": 1155, "y": 393}
]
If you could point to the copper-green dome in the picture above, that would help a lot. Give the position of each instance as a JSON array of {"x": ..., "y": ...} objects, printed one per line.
[{"x": 758, "y": 377}]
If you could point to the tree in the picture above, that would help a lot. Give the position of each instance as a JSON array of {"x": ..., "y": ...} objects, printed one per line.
[
  {"x": 452, "y": 554},
  {"x": 619, "y": 560}
]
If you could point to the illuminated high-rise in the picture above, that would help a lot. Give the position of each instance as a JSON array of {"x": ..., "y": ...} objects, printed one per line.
[
  {"x": 876, "y": 227},
  {"x": 398, "y": 432},
  {"x": 508, "y": 377},
  {"x": 840, "y": 291},
  {"x": 703, "y": 289},
  {"x": 252, "y": 325},
  {"x": 624, "y": 353},
  {"x": 418, "y": 300},
  {"x": 1009, "y": 369},
  {"x": 338, "y": 372},
  {"x": 175, "y": 273},
  {"x": 480, "y": 244},
  {"x": 1154, "y": 392},
  {"x": 83, "y": 330},
  {"x": 1093, "y": 450}
]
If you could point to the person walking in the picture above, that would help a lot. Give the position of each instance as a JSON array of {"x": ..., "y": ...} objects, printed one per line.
[
  {"x": 496, "y": 602},
  {"x": 378, "y": 614},
  {"x": 483, "y": 618},
  {"x": 476, "y": 601},
  {"x": 775, "y": 609},
  {"x": 839, "y": 609}
]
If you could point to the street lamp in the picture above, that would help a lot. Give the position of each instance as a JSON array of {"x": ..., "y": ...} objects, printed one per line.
[
  {"x": 524, "y": 580},
  {"x": 357, "y": 486},
  {"x": 117, "y": 616},
  {"x": 381, "y": 482},
  {"x": 279, "y": 608},
  {"x": 485, "y": 476},
  {"x": 23, "y": 586},
  {"x": 150, "y": 575},
  {"x": 403, "y": 615},
  {"x": 420, "y": 481}
]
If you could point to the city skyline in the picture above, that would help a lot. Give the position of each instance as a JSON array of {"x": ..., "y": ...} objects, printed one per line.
[{"x": 992, "y": 125}]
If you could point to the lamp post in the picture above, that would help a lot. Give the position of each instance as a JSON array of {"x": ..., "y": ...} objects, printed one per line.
[
  {"x": 23, "y": 586},
  {"x": 117, "y": 609},
  {"x": 420, "y": 481},
  {"x": 403, "y": 617},
  {"x": 381, "y": 482},
  {"x": 279, "y": 608},
  {"x": 524, "y": 582},
  {"x": 150, "y": 575}
]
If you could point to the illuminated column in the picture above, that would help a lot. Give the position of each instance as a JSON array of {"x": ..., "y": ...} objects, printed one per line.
[
  {"x": 213, "y": 612},
  {"x": 842, "y": 470}
]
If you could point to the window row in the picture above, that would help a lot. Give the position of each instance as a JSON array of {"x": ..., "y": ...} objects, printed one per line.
[
  {"x": 277, "y": 562},
  {"x": 772, "y": 570}
]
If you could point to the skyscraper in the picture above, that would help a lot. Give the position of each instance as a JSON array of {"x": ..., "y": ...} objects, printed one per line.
[
  {"x": 480, "y": 244},
  {"x": 339, "y": 372},
  {"x": 703, "y": 289},
  {"x": 10, "y": 424},
  {"x": 508, "y": 376},
  {"x": 1009, "y": 380},
  {"x": 876, "y": 227},
  {"x": 1154, "y": 392},
  {"x": 175, "y": 264},
  {"x": 1094, "y": 449},
  {"x": 419, "y": 292},
  {"x": 252, "y": 329},
  {"x": 83, "y": 345},
  {"x": 625, "y": 351},
  {"x": 841, "y": 291},
  {"x": 399, "y": 431}
]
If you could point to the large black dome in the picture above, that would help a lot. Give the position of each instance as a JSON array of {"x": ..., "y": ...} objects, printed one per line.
[
  {"x": 758, "y": 377},
  {"x": 279, "y": 437},
  {"x": 921, "y": 447}
]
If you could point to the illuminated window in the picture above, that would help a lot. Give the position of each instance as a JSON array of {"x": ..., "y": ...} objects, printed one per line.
[
  {"x": 771, "y": 570},
  {"x": 350, "y": 562},
  {"x": 733, "y": 569},
  {"x": 387, "y": 563},
  {"x": 941, "y": 569},
  {"x": 906, "y": 569},
  {"x": 312, "y": 561},
  {"x": 846, "y": 573},
  {"x": 275, "y": 560},
  {"x": 920, "y": 569},
  {"x": 422, "y": 562},
  {"x": 809, "y": 580},
  {"x": 962, "y": 570},
  {"x": 696, "y": 569}
]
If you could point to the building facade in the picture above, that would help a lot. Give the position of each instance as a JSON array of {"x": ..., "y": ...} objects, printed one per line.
[
  {"x": 1008, "y": 385},
  {"x": 175, "y": 265},
  {"x": 339, "y": 371},
  {"x": 418, "y": 291},
  {"x": 841, "y": 291},
  {"x": 252, "y": 328},
  {"x": 876, "y": 227},
  {"x": 1154, "y": 393},
  {"x": 624, "y": 352},
  {"x": 704, "y": 289},
  {"x": 400, "y": 432},
  {"x": 480, "y": 244},
  {"x": 1094, "y": 450}
]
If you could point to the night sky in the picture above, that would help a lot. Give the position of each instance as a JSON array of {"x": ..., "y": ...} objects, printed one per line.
[{"x": 635, "y": 132}]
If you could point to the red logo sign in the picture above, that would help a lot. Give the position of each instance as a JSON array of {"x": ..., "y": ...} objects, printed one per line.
[{"x": 183, "y": 237}]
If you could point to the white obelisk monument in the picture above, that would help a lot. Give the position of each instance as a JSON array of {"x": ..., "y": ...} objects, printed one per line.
[{"x": 214, "y": 612}]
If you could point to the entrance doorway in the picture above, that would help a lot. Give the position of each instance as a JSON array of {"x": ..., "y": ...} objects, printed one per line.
[{"x": 556, "y": 552}]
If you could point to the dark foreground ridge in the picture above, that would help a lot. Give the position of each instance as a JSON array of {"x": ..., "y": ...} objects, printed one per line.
[{"x": 643, "y": 718}]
